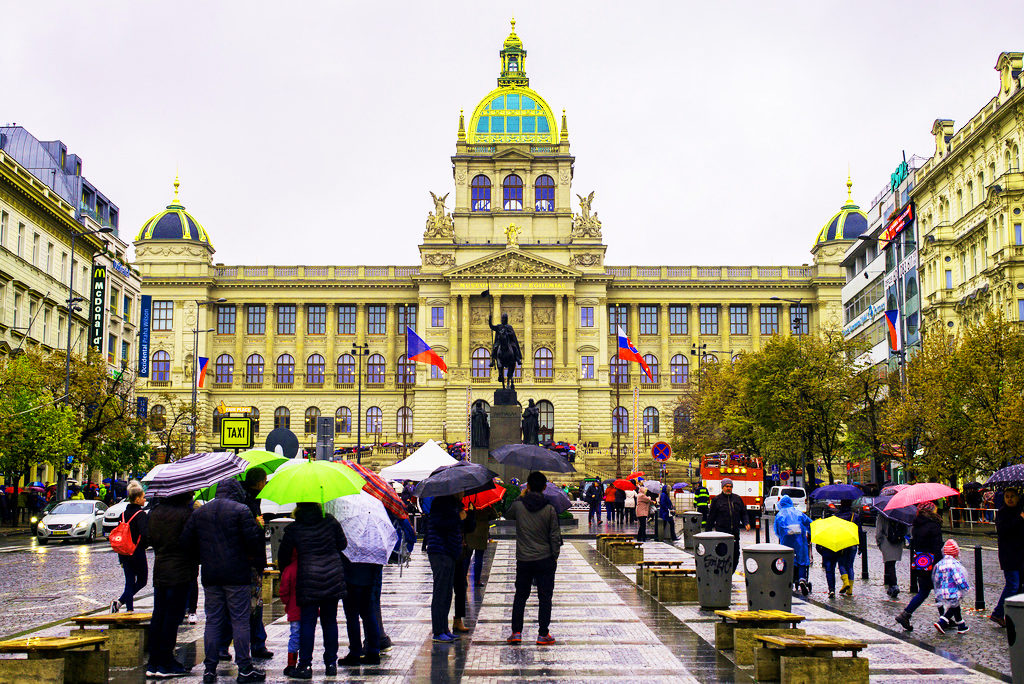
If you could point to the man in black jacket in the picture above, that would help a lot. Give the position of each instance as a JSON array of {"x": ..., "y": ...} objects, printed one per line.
[
  {"x": 174, "y": 570},
  {"x": 255, "y": 481},
  {"x": 727, "y": 513},
  {"x": 1010, "y": 536},
  {"x": 228, "y": 541}
]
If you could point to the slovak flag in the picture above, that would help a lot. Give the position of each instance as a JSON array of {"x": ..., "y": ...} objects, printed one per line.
[
  {"x": 892, "y": 323},
  {"x": 418, "y": 350},
  {"x": 629, "y": 353},
  {"x": 203, "y": 364}
]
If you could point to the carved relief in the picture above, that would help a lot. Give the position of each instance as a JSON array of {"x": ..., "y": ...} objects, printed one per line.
[
  {"x": 439, "y": 259},
  {"x": 458, "y": 375},
  {"x": 564, "y": 177},
  {"x": 566, "y": 375},
  {"x": 543, "y": 316},
  {"x": 585, "y": 224},
  {"x": 460, "y": 177},
  {"x": 585, "y": 260},
  {"x": 439, "y": 221},
  {"x": 478, "y": 315},
  {"x": 512, "y": 264}
]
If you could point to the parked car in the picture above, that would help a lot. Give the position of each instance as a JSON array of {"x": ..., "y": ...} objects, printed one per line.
[
  {"x": 81, "y": 520},
  {"x": 823, "y": 508},
  {"x": 797, "y": 494},
  {"x": 864, "y": 507},
  {"x": 113, "y": 515}
]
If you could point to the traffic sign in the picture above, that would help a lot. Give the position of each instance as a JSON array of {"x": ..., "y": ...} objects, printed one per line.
[
  {"x": 235, "y": 432},
  {"x": 661, "y": 451}
]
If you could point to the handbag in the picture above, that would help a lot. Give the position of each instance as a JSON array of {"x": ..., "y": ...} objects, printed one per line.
[{"x": 922, "y": 561}]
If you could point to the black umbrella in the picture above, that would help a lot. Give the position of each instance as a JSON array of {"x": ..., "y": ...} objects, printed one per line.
[
  {"x": 973, "y": 485},
  {"x": 904, "y": 515},
  {"x": 532, "y": 457},
  {"x": 610, "y": 480},
  {"x": 1010, "y": 475},
  {"x": 462, "y": 477}
]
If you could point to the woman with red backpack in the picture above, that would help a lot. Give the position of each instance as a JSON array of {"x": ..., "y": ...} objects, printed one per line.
[{"x": 131, "y": 547}]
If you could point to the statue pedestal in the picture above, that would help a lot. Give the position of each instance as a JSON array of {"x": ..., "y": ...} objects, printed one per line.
[
  {"x": 506, "y": 397},
  {"x": 506, "y": 428}
]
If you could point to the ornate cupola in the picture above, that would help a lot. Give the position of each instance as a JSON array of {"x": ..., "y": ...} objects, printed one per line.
[{"x": 513, "y": 61}]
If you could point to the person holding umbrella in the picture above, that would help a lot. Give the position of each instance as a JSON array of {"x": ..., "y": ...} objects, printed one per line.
[
  {"x": 643, "y": 510},
  {"x": 593, "y": 497},
  {"x": 445, "y": 523},
  {"x": 926, "y": 550},
  {"x": 890, "y": 537},
  {"x": 1010, "y": 540}
]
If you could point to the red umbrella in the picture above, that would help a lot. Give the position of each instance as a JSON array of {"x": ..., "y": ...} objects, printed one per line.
[
  {"x": 639, "y": 474},
  {"x": 485, "y": 498},
  {"x": 379, "y": 489},
  {"x": 624, "y": 485},
  {"x": 922, "y": 491}
]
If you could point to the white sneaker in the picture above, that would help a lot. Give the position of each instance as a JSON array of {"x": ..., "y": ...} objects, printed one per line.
[{"x": 191, "y": 618}]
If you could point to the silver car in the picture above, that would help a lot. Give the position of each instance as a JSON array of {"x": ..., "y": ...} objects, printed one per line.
[{"x": 81, "y": 520}]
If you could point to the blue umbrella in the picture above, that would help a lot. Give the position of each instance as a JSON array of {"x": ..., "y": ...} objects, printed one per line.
[
  {"x": 1010, "y": 475},
  {"x": 557, "y": 498},
  {"x": 904, "y": 515},
  {"x": 837, "y": 491}
]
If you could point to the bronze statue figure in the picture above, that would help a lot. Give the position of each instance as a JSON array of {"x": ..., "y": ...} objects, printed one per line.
[
  {"x": 531, "y": 423},
  {"x": 481, "y": 436},
  {"x": 505, "y": 352}
]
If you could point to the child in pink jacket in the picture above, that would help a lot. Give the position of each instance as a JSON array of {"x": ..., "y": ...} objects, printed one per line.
[{"x": 292, "y": 610}]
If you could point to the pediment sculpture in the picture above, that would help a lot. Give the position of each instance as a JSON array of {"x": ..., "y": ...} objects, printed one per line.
[
  {"x": 513, "y": 264},
  {"x": 439, "y": 221},
  {"x": 586, "y": 224}
]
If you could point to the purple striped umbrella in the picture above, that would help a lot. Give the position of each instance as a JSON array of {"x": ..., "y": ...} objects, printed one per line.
[{"x": 195, "y": 472}]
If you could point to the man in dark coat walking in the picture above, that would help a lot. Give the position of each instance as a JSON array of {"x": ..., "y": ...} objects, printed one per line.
[
  {"x": 255, "y": 481},
  {"x": 727, "y": 513},
  {"x": 228, "y": 541}
]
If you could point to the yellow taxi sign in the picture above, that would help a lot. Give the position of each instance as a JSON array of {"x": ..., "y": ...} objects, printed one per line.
[{"x": 235, "y": 432}]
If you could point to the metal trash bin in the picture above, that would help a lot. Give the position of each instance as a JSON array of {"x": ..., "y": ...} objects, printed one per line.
[
  {"x": 713, "y": 554},
  {"x": 1014, "y": 613},
  {"x": 691, "y": 527},
  {"x": 276, "y": 528},
  {"x": 768, "y": 571}
]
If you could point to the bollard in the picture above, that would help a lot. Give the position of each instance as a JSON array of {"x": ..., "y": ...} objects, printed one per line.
[
  {"x": 979, "y": 584},
  {"x": 863, "y": 554},
  {"x": 757, "y": 534},
  {"x": 767, "y": 535}
]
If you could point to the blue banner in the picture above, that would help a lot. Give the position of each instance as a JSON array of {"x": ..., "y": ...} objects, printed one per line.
[
  {"x": 142, "y": 407},
  {"x": 144, "y": 325}
]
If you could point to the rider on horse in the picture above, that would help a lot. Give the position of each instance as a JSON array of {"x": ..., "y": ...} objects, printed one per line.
[{"x": 505, "y": 353}]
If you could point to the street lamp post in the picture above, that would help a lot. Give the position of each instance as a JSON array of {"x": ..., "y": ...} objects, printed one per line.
[
  {"x": 360, "y": 350},
  {"x": 195, "y": 363}
]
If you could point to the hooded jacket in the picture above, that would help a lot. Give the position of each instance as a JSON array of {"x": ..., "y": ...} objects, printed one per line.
[
  {"x": 173, "y": 564},
  {"x": 665, "y": 508},
  {"x": 793, "y": 529},
  {"x": 319, "y": 541},
  {"x": 538, "y": 536},
  {"x": 228, "y": 541},
  {"x": 1010, "y": 536}
]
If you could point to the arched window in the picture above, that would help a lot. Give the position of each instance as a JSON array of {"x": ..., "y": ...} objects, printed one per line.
[
  {"x": 652, "y": 421},
  {"x": 158, "y": 417},
  {"x": 480, "y": 190},
  {"x": 619, "y": 371},
  {"x": 312, "y": 414},
  {"x": 680, "y": 419},
  {"x": 217, "y": 415},
  {"x": 481, "y": 367},
  {"x": 544, "y": 193},
  {"x": 282, "y": 417},
  {"x": 652, "y": 362},
  {"x": 403, "y": 422},
  {"x": 375, "y": 370},
  {"x": 911, "y": 287},
  {"x": 161, "y": 367},
  {"x": 316, "y": 365},
  {"x": 285, "y": 368},
  {"x": 546, "y": 420},
  {"x": 512, "y": 187},
  {"x": 254, "y": 369},
  {"x": 373, "y": 420},
  {"x": 343, "y": 420},
  {"x": 487, "y": 408},
  {"x": 406, "y": 371},
  {"x": 736, "y": 358},
  {"x": 708, "y": 358},
  {"x": 254, "y": 414},
  {"x": 224, "y": 369},
  {"x": 543, "y": 363},
  {"x": 679, "y": 369},
  {"x": 620, "y": 421},
  {"x": 346, "y": 368}
]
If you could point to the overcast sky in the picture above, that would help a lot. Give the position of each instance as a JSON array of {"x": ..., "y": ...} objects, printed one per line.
[{"x": 311, "y": 132}]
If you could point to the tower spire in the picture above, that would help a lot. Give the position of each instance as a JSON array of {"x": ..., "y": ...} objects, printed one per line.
[{"x": 513, "y": 60}]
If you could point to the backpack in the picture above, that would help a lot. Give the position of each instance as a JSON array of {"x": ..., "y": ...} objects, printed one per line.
[
  {"x": 895, "y": 532},
  {"x": 121, "y": 537}
]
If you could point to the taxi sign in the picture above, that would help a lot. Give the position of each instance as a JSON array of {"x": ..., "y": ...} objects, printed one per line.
[
  {"x": 235, "y": 432},
  {"x": 661, "y": 451}
]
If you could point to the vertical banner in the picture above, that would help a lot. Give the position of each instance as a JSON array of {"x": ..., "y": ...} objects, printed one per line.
[
  {"x": 97, "y": 303},
  {"x": 141, "y": 407},
  {"x": 636, "y": 428},
  {"x": 469, "y": 423},
  {"x": 201, "y": 376},
  {"x": 145, "y": 321}
]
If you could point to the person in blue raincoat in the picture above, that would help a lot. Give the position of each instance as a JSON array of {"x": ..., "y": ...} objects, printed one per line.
[{"x": 793, "y": 529}]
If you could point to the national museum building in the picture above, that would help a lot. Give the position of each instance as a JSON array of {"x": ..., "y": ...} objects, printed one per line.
[{"x": 505, "y": 240}]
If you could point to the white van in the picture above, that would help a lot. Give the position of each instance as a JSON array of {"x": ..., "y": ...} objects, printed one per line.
[{"x": 797, "y": 494}]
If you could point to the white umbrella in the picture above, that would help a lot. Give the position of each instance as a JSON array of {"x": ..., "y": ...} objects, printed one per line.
[
  {"x": 653, "y": 486},
  {"x": 371, "y": 535}
]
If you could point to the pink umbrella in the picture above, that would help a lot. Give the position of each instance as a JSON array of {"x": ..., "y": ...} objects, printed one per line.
[{"x": 922, "y": 491}]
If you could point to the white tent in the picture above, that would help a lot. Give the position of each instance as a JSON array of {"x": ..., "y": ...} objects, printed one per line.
[{"x": 420, "y": 464}]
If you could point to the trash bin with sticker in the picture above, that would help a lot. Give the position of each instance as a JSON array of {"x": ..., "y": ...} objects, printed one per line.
[
  {"x": 691, "y": 527},
  {"x": 276, "y": 529},
  {"x": 1014, "y": 613},
  {"x": 713, "y": 555},
  {"x": 768, "y": 570}
]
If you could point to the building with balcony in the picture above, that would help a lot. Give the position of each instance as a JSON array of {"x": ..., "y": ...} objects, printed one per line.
[
  {"x": 969, "y": 197},
  {"x": 503, "y": 240}
]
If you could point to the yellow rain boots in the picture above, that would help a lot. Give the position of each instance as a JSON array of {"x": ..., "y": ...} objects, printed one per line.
[{"x": 847, "y": 586}]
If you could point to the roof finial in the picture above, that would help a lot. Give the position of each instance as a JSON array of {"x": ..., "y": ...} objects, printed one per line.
[
  {"x": 176, "y": 184},
  {"x": 849, "y": 186},
  {"x": 513, "y": 22},
  {"x": 462, "y": 126},
  {"x": 564, "y": 137}
]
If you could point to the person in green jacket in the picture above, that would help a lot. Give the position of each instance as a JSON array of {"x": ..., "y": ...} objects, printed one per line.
[{"x": 702, "y": 500}]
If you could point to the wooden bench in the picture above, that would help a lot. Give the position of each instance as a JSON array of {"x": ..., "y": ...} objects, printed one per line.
[
  {"x": 603, "y": 539},
  {"x": 127, "y": 635},
  {"x": 624, "y": 552},
  {"x": 761, "y": 619},
  {"x": 643, "y": 569},
  {"x": 74, "y": 659},
  {"x": 793, "y": 659},
  {"x": 271, "y": 585},
  {"x": 674, "y": 585}
]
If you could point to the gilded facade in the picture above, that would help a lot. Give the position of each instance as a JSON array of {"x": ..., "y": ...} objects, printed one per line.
[{"x": 503, "y": 239}]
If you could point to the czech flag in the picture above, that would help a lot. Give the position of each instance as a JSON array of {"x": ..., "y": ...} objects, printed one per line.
[
  {"x": 628, "y": 352},
  {"x": 203, "y": 364},
  {"x": 892, "y": 323},
  {"x": 418, "y": 350}
]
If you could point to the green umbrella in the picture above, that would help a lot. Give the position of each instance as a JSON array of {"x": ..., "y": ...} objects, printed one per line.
[
  {"x": 313, "y": 481},
  {"x": 256, "y": 458}
]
